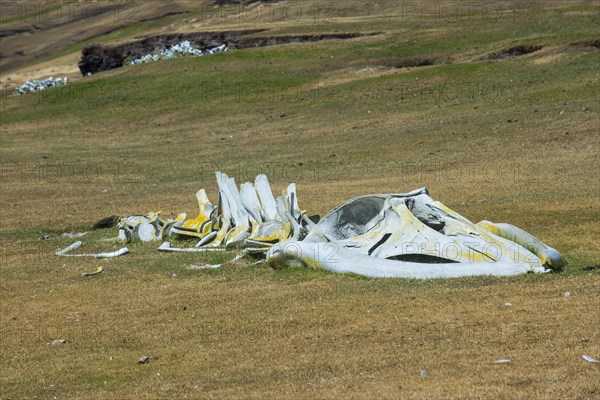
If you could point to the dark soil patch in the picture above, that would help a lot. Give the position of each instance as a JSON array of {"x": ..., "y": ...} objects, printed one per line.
[
  {"x": 107, "y": 222},
  {"x": 581, "y": 46},
  {"x": 243, "y": 2},
  {"x": 511, "y": 52},
  {"x": 591, "y": 267},
  {"x": 287, "y": 39},
  {"x": 402, "y": 62},
  {"x": 586, "y": 45},
  {"x": 98, "y": 57}
]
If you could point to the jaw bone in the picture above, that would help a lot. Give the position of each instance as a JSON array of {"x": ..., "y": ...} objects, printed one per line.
[
  {"x": 336, "y": 258},
  {"x": 548, "y": 256}
]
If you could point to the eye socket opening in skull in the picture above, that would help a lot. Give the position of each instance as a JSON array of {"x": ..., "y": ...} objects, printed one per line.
[
  {"x": 427, "y": 214},
  {"x": 357, "y": 217}
]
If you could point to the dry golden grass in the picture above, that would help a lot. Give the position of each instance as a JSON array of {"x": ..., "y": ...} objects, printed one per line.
[{"x": 251, "y": 332}]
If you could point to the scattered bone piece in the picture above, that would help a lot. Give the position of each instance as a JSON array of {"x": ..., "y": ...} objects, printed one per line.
[
  {"x": 214, "y": 266},
  {"x": 589, "y": 359},
  {"x": 204, "y": 266},
  {"x": 146, "y": 228},
  {"x": 69, "y": 248},
  {"x": 166, "y": 246},
  {"x": 64, "y": 252},
  {"x": 96, "y": 272},
  {"x": 73, "y": 235}
]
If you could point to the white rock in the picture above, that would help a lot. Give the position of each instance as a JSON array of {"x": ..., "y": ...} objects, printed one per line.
[
  {"x": 40, "y": 84},
  {"x": 184, "y": 48}
]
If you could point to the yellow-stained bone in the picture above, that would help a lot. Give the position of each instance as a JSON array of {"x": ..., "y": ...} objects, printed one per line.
[
  {"x": 413, "y": 230},
  {"x": 149, "y": 226},
  {"x": 509, "y": 248},
  {"x": 205, "y": 209},
  {"x": 201, "y": 225},
  {"x": 279, "y": 234},
  {"x": 222, "y": 232},
  {"x": 548, "y": 256}
]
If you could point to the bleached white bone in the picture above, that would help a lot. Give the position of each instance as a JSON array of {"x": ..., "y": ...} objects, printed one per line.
[
  {"x": 224, "y": 220},
  {"x": 206, "y": 239},
  {"x": 146, "y": 228},
  {"x": 250, "y": 200},
  {"x": 282, "y": 208},
  {"x": 410, "y": 235},
  {"x": 549, "y": 257},
  {"x": 240, "y": 228},
  {"x": 215, "y": 266},
  {"x": 309, "y": 224},
  {"x": 65, "y": 252},
  {"x": 291, "y": 200},
  {"x": 166, "y": 246},
  {"x": 225, "y": 188},
  {"x": 267, "y": 200},
  {"x": 334, "y": 257},
  {"x": 146, "y": 231},
  {"x": 196, "y": 227}
]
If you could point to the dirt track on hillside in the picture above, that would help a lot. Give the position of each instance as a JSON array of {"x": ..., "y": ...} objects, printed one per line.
[{"x": 35, "y": 37}]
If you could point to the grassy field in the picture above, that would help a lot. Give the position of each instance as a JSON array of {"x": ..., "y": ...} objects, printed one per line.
[{"x": 514, "y": 140}]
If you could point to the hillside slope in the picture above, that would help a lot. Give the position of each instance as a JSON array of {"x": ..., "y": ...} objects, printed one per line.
[{"x": 497, "y": 114}]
